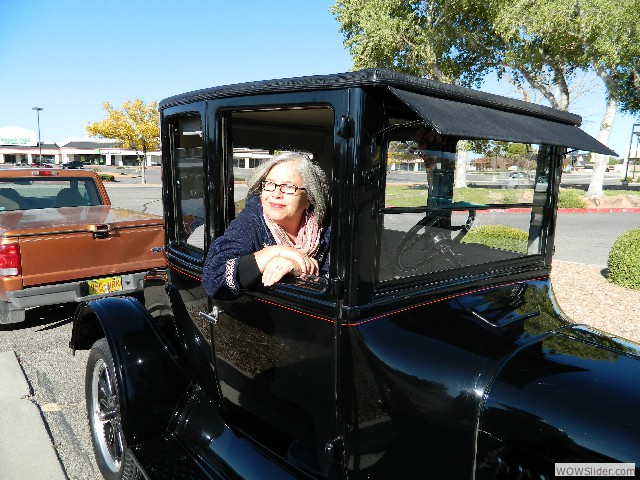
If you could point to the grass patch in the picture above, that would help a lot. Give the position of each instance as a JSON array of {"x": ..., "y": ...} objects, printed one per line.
[
  {"x": 416, "y": 195},
  {"x": 614, "y": 193},
  {"x": 498, "y": 236},
  {"x": 406, "y": 195}
]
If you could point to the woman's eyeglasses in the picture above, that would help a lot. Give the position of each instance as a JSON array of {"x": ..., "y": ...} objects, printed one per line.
[{"x": 286, "y": 188}]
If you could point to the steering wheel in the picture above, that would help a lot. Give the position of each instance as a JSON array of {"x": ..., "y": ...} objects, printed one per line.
[{"x": 425, "y": 241}]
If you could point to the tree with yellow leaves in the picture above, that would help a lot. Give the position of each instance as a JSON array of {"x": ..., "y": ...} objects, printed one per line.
[{"x": 135, "y": 126}]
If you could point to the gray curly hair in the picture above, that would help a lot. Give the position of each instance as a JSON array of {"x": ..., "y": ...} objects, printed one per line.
[{"x": 313, "y": 179}]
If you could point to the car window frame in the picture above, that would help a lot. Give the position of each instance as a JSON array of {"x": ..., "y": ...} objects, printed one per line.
[
  {"x": 179, "y": 253},
  {"x": 383, "y": 292}
]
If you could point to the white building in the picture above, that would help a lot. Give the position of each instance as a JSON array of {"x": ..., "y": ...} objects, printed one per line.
[
  {"x": 248, "y": 158},
  {"x": 20, "y": 146}
]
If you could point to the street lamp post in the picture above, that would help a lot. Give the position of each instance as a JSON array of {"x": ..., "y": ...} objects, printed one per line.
[
  {"x": 635, "y": 130},
  {"x": 37, "y": 109},
  {"x": 635, "y": 159}
]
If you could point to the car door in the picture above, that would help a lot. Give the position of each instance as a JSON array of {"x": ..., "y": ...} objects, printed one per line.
[
  {"x": 275, "y": 346},
  {"x": 187, "y": 237}
]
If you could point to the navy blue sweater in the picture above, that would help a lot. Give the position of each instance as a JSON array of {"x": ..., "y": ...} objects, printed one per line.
[{"x": 231, "y": 268}]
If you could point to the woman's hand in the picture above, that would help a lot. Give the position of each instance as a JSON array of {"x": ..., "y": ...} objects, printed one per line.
[
  {"x": 302, "y": 263},
  {"x": 276, "y": 269}
]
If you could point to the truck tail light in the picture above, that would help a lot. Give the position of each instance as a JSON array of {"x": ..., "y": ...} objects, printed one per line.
[{"x": 10, "y": 260}]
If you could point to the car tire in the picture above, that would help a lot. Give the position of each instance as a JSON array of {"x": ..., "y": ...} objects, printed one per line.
[{"x": 105, "y": 422}]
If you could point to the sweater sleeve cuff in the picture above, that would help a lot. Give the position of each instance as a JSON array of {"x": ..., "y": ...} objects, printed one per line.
[{"x": 248, "y": 272}]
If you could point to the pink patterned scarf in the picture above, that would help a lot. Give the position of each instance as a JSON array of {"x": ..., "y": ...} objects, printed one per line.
[{"x": 308, "y": 240}]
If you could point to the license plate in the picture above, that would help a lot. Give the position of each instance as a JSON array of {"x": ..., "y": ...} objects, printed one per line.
[{"x": 101, "y": 286}]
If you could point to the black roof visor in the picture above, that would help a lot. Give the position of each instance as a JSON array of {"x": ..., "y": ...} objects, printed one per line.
[{"x": 450, "y": 117}]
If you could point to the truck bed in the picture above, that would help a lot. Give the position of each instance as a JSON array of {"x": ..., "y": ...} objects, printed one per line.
[{"x": 62, "y": 244}]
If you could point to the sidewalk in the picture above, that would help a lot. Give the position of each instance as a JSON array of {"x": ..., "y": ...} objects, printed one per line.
[{"x": 26, "y": 450}]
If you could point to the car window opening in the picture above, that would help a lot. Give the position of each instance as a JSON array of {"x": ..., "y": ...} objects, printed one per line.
[{"x": 433, "y": 225}]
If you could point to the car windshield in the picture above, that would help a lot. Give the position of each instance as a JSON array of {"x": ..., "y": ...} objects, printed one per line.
[
  {"x": 451, "y": 204},
  {"x": 46, "y": 192}
]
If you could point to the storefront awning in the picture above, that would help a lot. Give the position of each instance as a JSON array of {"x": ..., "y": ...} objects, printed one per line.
[{"x": 465, "y": 120}]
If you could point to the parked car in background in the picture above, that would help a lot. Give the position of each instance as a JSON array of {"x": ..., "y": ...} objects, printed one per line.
[
  {"x": 519, "y": 180},
  {"x": 62, "y": 241},
  {"x": 433, "y": 349},
  {"x": 73, "y": 164}
]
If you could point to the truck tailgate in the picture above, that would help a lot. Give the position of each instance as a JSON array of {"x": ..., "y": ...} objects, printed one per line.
[{"x": 86, "y": 243}]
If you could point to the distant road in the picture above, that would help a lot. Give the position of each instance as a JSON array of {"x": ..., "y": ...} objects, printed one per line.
[
  {"x": 588, "y": 237},
  {"x": 479, "y": 179}
]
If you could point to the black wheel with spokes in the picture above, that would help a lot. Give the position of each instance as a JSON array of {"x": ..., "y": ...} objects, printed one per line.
[{"x": 103, "y": 408}]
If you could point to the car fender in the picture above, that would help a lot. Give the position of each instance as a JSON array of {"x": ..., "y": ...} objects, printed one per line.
[
  {"x": 150, "y": 377},
  {"x": 543, "y": 406}
]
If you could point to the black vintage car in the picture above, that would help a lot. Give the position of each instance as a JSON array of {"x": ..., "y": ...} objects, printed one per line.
[{"x": 433, "y": 349}]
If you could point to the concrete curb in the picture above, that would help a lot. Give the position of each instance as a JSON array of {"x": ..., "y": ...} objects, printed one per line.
[
  {"x": 567, "y": 210},
  {"x": 26, "y": 450},
  {"x": 130, "y": 184}
]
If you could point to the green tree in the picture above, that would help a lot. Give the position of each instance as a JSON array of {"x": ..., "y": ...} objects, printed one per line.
[
  {"x": 440, "y": 39},
  {"x": 454, "y": 41},
  {"x": 538, "y": 44},
  {"x": 135, "y": 126},
  {"x": 611, "y": 42},
  {"x": 597, "y": 36}
]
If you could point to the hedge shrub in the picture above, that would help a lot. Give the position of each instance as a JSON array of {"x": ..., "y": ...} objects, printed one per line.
[
  {"x": 498, "y": 236},
  {"x": 107, "y": 177},
  {"x": 624, "y": 260},
  {"x": 570, "y": 198}
]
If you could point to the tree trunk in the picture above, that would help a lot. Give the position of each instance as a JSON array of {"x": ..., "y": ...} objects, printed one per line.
[
  {"x": 143, "y": 165},
  {"x": 601, "y": 161},
  {"x": 461, "y": 166}
]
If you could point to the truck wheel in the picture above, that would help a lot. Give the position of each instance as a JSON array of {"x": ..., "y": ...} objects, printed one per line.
[{"x": 103, "y": 408}]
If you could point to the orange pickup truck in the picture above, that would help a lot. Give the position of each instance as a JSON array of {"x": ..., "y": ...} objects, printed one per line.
[{"x": 62, "y": 241}]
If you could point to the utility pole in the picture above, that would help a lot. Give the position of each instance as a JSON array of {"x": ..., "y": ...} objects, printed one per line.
[{"x": 37, "y": 109}]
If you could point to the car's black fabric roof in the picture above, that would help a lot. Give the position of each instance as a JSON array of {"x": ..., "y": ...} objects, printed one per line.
[{"x": 565, "y": 131}]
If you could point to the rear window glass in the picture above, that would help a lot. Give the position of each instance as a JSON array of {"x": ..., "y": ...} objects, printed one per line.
[{"x": 47, "y": 192}]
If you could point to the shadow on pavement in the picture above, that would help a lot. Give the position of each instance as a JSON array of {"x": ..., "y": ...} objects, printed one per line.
[{"x": 49, "y": 317}]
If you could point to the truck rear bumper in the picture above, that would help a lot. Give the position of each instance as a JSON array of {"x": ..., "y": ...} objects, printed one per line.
[{"x": 12, "y": 307}]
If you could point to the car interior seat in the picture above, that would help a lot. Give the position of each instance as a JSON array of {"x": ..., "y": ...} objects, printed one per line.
[
  {"x": 68, "y": 197},
  {"x": 10, "y": 199}
]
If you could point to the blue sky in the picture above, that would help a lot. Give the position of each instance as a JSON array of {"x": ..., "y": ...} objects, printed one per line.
[{"x": 70, "y": 56}]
